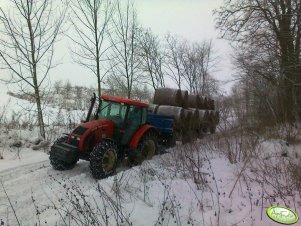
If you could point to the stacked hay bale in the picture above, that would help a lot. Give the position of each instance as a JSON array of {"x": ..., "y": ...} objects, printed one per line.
[
  {"x": 184, "y": 98},
  {"x": 168, "y": 96},
  {"x": 195, "y": 119},
  {"x": 188, "y": 121},
  {"x": 170, "y": 102},
  {"x": 152, "y": 108},
  {"x": 193, "y": 114},
  {"x": 207, "y": 118},
  {"x": 194, "y": 101}
]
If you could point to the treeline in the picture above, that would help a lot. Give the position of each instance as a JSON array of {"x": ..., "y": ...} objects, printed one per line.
[
  {"x": 64, "y": 95},
  {"x": 107, "y": 39},
  {"x": 266, "y": 36}
]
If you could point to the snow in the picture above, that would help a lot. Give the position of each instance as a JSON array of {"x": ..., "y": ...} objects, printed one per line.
[
  {"x": 25, "y": 157},
  {"x": 141, "y": 192},
  {"x": 171, "y": 189}
]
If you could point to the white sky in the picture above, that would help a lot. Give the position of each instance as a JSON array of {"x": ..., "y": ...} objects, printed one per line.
[{"x": 191, "y": 19}]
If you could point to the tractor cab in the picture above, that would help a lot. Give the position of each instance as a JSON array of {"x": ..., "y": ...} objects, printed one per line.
[{"x": 127, "y": 115}]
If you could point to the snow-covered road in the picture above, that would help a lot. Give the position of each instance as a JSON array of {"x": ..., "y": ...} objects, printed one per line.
[
  {"x": 158, "y": 192},
  {"x": 33, "y": 181}
]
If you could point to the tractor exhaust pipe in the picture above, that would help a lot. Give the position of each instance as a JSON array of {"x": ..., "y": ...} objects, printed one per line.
[{"x": 93, "y": 99}]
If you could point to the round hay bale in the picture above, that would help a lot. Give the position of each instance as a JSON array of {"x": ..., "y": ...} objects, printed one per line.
[
  {"x": 206, "y": 118},
  {"x": 211, "y": 118},
  {"x": 168, "y": 96},
  {"x": 188, "y": 121},
  {"x": 216, "y": 117},
  {"x": 212, "y": 115},
  {"x": 205, "y": 103},
  {"x": 201, "y": 114},
  {"x": 195, "y": 118},
  {"x": 212, "y": 105},
  {"x": 205, "y": 122},
  {"x": 177, "y": 112},
  {"x": 184, "y": 94},
  {"x": 152, "y": 108},
  {"x": 193, "y": 101},
  {"x": 201, "y": 102},
  {"x": 212, "y": 121}
]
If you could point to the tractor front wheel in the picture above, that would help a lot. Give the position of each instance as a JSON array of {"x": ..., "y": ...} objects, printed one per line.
[{"x": 103, "y": 159}]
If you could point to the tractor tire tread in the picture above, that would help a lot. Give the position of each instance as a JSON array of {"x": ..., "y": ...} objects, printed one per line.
[{"x": 96, "y": 157}]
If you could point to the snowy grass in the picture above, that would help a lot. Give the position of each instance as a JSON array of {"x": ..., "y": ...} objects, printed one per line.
[{"x": 192, "y": 185}]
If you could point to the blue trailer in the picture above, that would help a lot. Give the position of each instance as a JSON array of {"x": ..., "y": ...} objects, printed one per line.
[{"x": 165, "y": 127}]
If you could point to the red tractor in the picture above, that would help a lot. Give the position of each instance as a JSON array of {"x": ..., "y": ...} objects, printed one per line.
[{"x": 118, "y": 130}]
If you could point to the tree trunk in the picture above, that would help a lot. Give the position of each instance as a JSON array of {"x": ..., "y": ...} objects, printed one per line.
[
  {"x": 97, "y": 50},
  {"x": 40, "y": 113},
  {"x": 288, "y": 64},
  {"x": 35, "y": 78}
]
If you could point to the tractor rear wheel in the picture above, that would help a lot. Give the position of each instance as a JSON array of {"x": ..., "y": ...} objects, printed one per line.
[
  {"x": 58, "y": 164},
  {"x": 103, "y": 159},
  {"x": 147, "y": 148}
]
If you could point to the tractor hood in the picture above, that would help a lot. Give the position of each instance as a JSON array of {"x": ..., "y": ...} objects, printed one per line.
[{"x": 88, "y": 134}]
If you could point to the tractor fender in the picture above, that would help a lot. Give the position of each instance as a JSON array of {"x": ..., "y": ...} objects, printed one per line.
[{"x": 140, "y": 132}]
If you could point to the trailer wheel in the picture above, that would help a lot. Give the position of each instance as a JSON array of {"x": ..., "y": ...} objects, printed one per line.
[
  {"x": 103, "y": 159},
  {"x": 59, "y": 164},
  {"x": 171, "y": 141},
  {"x": 212, "y": 129}
]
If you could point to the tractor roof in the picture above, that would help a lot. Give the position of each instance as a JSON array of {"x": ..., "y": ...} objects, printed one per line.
[{"x": 124, "y": 100}]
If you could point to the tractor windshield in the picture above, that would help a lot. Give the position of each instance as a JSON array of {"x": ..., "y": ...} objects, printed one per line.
[{"x": 112, "y": 110}]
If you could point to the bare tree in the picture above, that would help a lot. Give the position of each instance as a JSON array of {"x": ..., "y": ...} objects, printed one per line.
[
  {"x": 27, "y": 35},
  {"x": 197, "y": 61},
  {"x": 152, "y": 57},
  {"x": 272, "y": 30},
  {"x": 125, "y": 66},
  {"x": 90, "y": 20},
  {"x": 142, "y": 93},
  {"x": 58, "y": 86},
  {"x": 189, "y": 65},
  {"x": 173, "y": 53}
]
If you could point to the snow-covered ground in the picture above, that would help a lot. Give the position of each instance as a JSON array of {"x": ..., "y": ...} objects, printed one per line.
[
  {"x": 166, "y": 190},
  {"x": 191, "y": 185}
]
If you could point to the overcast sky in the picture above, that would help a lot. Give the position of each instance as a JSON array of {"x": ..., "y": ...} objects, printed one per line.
[{"x": 191, "y": 19}]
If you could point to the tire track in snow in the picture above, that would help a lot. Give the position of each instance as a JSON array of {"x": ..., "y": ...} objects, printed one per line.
[
  {"x": 15, "y": 172},
  {"x": 38, "y": 181}
]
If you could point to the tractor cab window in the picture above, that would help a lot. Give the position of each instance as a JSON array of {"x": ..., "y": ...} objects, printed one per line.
[
  {"x": 132, "y": 123},
  {"x": 134, "y": 115},
  {"x": 112, "y": 110}
]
